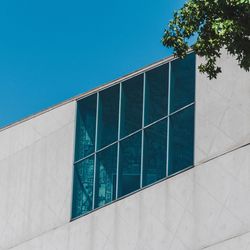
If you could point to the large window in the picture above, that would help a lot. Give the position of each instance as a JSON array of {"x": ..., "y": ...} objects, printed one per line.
[{"x": 134, "y": 134}]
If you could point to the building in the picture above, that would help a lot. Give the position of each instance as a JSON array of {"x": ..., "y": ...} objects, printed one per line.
[{"x": 158, "y": 159}]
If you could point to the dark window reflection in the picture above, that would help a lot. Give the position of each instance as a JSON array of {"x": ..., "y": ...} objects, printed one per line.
[
  {"x": 106, "y": 167},
  {"x": 85, "y": 127},
  {"x": 182, "y": 82},
  {"x": 131, "y": 110},
  {"x": 155, "y": 153},
  {"x": 181, "y": 140},
  {"x": 83, "y": 187},
  {"x": 129, "y": 165},
  {"x": 108, "y": 116},
  {"x": 156, "y": 94}
]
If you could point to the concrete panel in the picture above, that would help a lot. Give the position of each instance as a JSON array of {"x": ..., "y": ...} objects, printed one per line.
[
  {"x": 36, "y": 175},
  {"x": 193, "y": 210},
  {"x": 222, "y": 110}
]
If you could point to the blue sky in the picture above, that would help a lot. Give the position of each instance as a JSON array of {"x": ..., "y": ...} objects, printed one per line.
[{"x": 52, "y": 50}]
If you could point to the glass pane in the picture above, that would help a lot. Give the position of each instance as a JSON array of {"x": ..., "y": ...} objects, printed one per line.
[
  {"x": 156, "y": 94},
  {"x": 131, "y": 110},
  {"x": 83, "y": 187},
  {"x": 182, "y": 82},
  {"x": 155, "y": 152},
  {"x": 106, "y": 166},
  {"x": 129, "y": 165},
  {"x": 85, "y": 127},
  {"x": 181, "y": 140},
  {"x": 108, "y": 116}
]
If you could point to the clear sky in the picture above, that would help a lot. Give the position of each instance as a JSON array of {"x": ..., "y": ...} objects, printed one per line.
[{"x": 51, "y": 50}]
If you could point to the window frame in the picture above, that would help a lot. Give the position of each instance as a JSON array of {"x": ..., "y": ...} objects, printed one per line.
[{"x": 141, "y": 130}]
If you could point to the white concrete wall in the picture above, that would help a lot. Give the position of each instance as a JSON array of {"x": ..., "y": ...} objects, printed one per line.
[
  {"x": 36, "y": 175},
  {"x": 198, "y": 208},
  {"x": 222, "y": 110}
]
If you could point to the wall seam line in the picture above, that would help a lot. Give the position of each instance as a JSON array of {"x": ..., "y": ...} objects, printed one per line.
[
  {"x": 228, "y": 239},
  {"x": 222, "y": 154}
]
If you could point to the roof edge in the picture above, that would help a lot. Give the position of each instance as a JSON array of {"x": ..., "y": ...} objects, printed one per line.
[{"x": 95, "y": 90}]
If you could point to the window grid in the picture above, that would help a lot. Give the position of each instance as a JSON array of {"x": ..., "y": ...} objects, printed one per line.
[
  {"x": 118, "y": 141},
  {"x": 169, "y": 93},
  {"x": 96, "y": 135},
  {"x": 142, "y": 125},
  {"x": 135, "y": 132}
]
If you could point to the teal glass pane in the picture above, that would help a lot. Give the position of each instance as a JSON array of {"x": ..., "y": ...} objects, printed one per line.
[
  {"x": 108, "y": 116},
  {"x": 106, "y": 169},
  {"x": 131, "y": 108},
  {"x": 155, "y": 152},
  {"x": 156, "y": 94},
  {"x": 85, "y": 127},
  {"x": 182, "y": 82},
  {"x": 83, "y": 187},
  {"x": 129, "y": 165},
  {"x": 181, "y": 140}
]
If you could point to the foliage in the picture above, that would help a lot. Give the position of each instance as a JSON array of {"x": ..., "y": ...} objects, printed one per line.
[{"x": 216, "y": 24}]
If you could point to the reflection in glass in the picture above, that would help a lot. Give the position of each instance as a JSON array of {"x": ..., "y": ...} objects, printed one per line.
[
  {"x": 108, "y": 116},
  {"x": 106, "y": 166},
  {"x": 131, "y": 108},
  {"x": 157, "y": 140},
  {"x": 83, "y": 187},
  {"x": 156, "y": 94},
  {"x": 85, "y": 127},
  {"x": 129, "y": 165},
  {"x": 155, "y": 152},
  {"x": 181, "y": 140},
  {"x": 182, "y": 82}
]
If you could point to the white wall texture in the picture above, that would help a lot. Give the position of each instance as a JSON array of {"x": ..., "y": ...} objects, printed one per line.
[
  {"x": 36, "y": 175},
  {"x": 222, "y": 110},
  {"x": 207, "y": 207},
  {"x": 198, "y": 208}
]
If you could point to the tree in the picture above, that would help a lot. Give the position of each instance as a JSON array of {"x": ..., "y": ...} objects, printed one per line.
[{"x": 215, "y": 24}]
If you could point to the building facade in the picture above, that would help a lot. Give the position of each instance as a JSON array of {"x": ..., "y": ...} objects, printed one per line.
[{"x": 158, "y": 159}]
